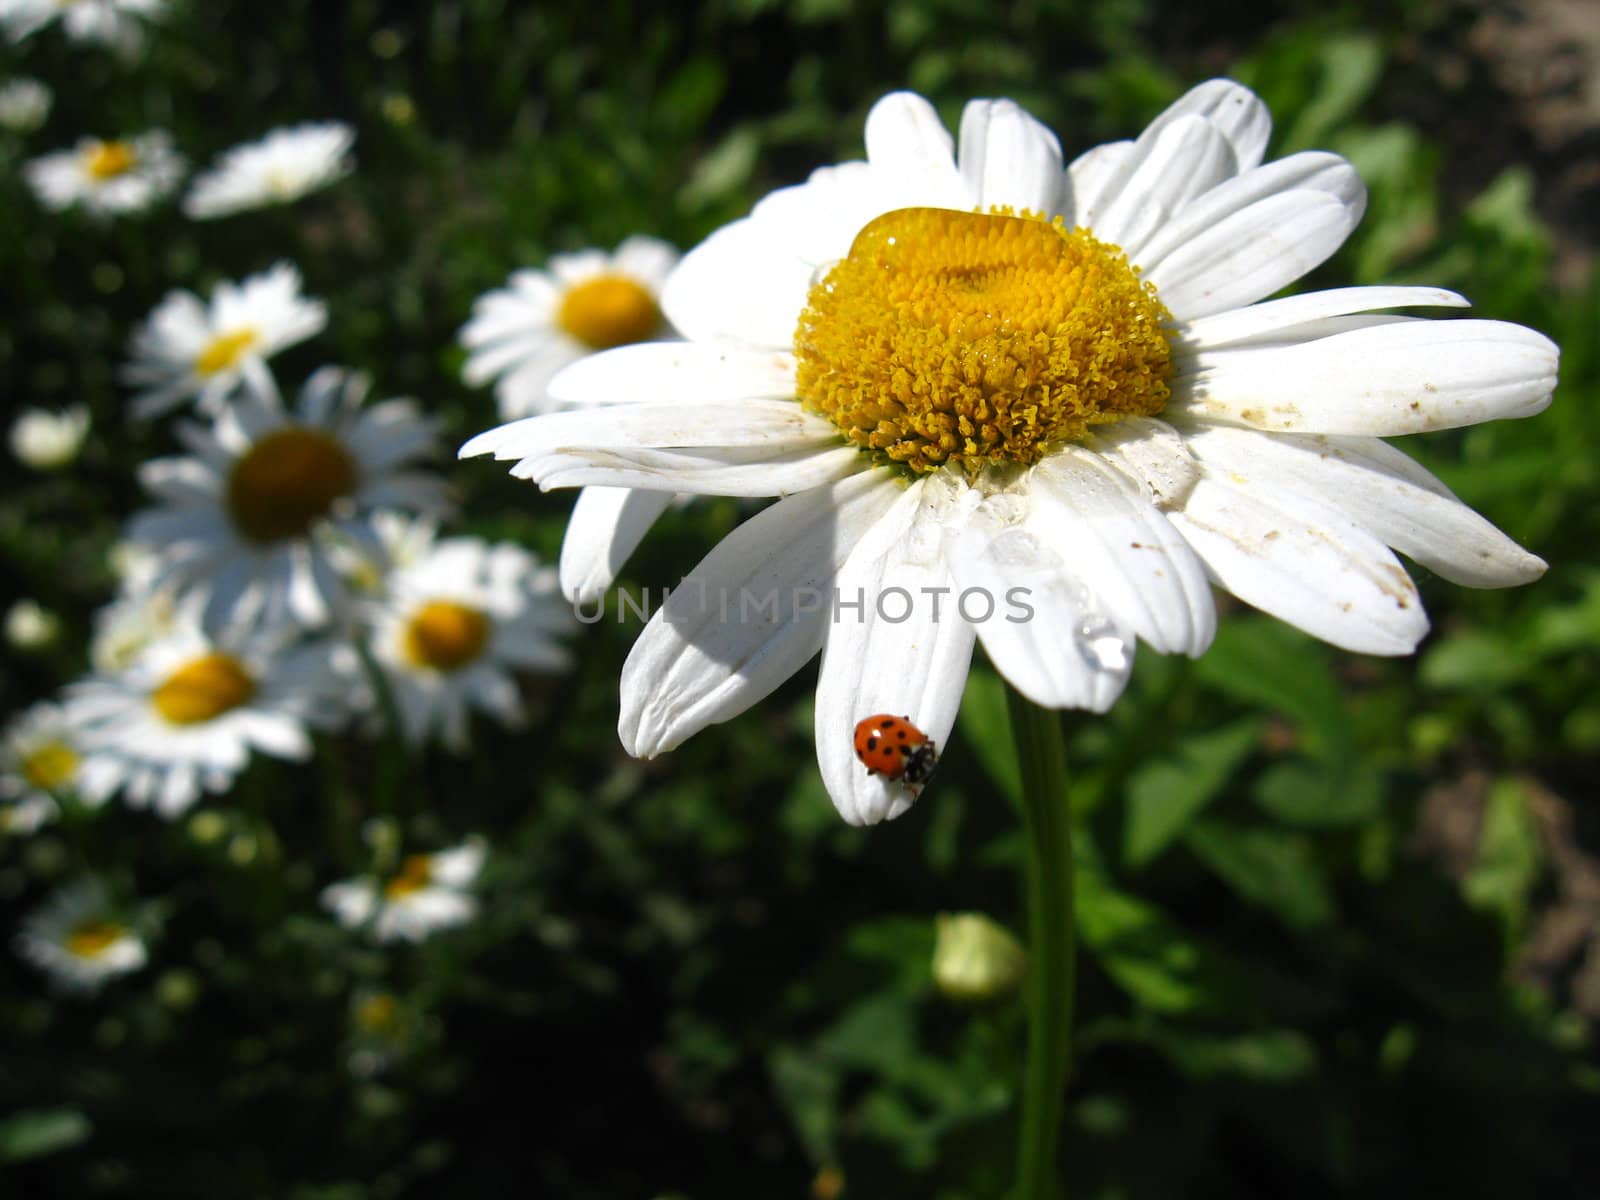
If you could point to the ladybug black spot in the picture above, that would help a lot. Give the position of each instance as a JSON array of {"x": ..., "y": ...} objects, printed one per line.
[
  {"x": 902, "y": 735},
  {"x": 872, "y": 742}
]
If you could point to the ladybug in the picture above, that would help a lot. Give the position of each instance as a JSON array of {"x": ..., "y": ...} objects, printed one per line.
[{"x": 896, "y": 749}]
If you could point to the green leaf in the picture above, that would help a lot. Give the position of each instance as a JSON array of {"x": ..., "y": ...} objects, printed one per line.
[
  {"x": 1509, "y": 858},
  {"x": 1164, "y": 796},
  {"x": 1473, "y": 660},
  {"x": 1265, "y": 662},
  {"x": 1167, "y": 970},
  {"x": 41, "y": 1131},
  {"x": 1349, "y": 66},
  {"x": 808, "y": 1087},
  {"x": 1271, "y": 867},
  {"x": 1320, "y": 794}
]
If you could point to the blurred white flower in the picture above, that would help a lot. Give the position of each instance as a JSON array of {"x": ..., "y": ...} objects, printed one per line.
[
  {"x": 48, "y": 441},
  {"x": 24, "y": 104},
  {"x": 248, "y": 519},
  {"x": 109, "y": 22},
  {"x": 108, "y": 178},
  {"x": 280, "y": 168},
  {"x": 80, "y": 939},
  {"x": 189, "y": 349},
  {"x": 428, "y": 892},
  {"x": 43, "y": 754},
  {"x": 455, "y": 624},
  {"x": 141, "y": 614},
  {"x": 183, "y": 717},
  {"x": 31, "y": 626},
  {"x": 522, "y": 334},
  {"x": 402, "y": 541}
]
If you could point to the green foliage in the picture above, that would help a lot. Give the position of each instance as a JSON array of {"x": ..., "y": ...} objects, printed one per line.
[{"x": 1316, "y": 891}]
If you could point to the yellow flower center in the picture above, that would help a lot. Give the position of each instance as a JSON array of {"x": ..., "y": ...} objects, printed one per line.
[
  {"x": 203, "y": 689},
  {"x": 445, "y": 635},
  {"x": 416, "y": 872},
  {"x": 979, "y": 338},
  {"x": 609, "y": 310},
  {"x": 107, "y": 160},
  {"x": 91, "y": 939},
  {"x": 225, "y": 350},
  {"x": 50, "y": 766},
  {"x": 286, "y": 482},
  {"x": 378, "y": 1013}
]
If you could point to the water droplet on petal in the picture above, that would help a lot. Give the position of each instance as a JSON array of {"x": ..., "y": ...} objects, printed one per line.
[{"x": 1102, "y": 644}]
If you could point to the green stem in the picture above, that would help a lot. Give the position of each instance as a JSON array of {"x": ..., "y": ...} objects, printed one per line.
[{"x": 1052, "y": 942}]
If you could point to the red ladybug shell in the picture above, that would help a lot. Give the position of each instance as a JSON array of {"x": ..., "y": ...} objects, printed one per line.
[{"x": 895, "y": 748}]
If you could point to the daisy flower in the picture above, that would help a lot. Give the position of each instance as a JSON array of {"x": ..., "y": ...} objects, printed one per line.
[
  {"x": 80, "y": 939},
  {"x": 183, "y": 717},
  {"x": 521, "y": 335},
  {"x": 109, "y": 22},
  {"x": 108, "y": 178},
  {"x": 427, "y": 892},
  {"x": 48, "y": 441},
  {"x": 44, "y": 754},
  {"x": 247, "y": 518},
  {"x": 24, "y": 104},
  {"x": 140, "y": 615},
  {"x": 454, "y": 625},
  {"x": 188, "y": 349},
  {"x": 1036, "y": 406},
  {"x": 283, "y": 166}
]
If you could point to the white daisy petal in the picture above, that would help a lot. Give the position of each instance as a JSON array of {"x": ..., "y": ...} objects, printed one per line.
[
  {"x": 746, "y": 472},
  {"x": 606, "y": 527},
  {"x": 1009, "y": 159},
  {"x": 1092, "y": 181},
  {"x": 706, "y": 302},
  {"x": 898, "y": 644},
  {"x": 1304, "y": 564},
  {"x": 1391, "y": 496},
  {"x": 778, "y": 425},
  {"x": 1153, "y": 454},
  {"x": 1190, "y": 157},
  {"x": 1282, "y": 318},
  {"x": 1051, "y": 638},
  {"x": 691, "y": 667},
  {"x": 1233, "y": 108},
  {"x": 906, "y": 139},
  {"x": 1123, "y": 549},
  {"x": 675, "y": 373},
  {"x": 1311, "y": 171},
  {"x": 1252, "y": 253},
  {"x": 1408, "y": 377}
]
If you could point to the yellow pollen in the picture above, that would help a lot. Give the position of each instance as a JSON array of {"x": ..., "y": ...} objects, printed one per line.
[
  {"x": 50, "y": 766},
  {"x": 203, "y": 689},
  {"x": 445, "y": 636},
  {"x": 288, "y": 481},
  {"x": 979, "y": 338},
  {"x": 225, "y": 350},
  {"x": 609, "y": 310},
  {"x": 416, "y": 872},
  {"x": 91, "y": 939},
  {"x": 107, "y": 160}
]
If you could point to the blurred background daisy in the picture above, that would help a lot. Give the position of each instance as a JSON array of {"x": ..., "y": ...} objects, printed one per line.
[
  {"x": 108, "y": 178},
  {"x": 191, "y": 350},
  {"x": 82, "y": 938},
  {"x": 280, "y": 168},
  {"x": 522, "y": 334}
]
